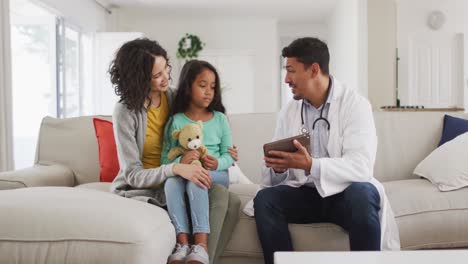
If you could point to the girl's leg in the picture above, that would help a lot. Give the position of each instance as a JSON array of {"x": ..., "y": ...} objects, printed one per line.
[
  {"x": 175, "y": 196},
  {"x": 199, "y": 207},
  {"x": 202, "y": 240},
  {"x": 220, "y": 177}
]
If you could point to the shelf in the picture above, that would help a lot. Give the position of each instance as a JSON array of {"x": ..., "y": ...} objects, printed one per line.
[{"x": 423, "y": 109}]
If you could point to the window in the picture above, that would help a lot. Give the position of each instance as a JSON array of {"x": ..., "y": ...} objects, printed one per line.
[
  {"x": 48, "y": 56},
  {"x": 69, "y": 70},
  {"x": 33, "y": 76}
]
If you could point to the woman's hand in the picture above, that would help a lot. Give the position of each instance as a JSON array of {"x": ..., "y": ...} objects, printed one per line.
[
  {"x": 190, "y": 156},
  {"x": 209, "y": 162},
  {"x": 193, "y": 173},
  {"x": 234, "y": 153}
]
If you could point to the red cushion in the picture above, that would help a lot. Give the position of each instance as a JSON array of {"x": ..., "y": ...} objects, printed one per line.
[{"x": 107, "y": 150}]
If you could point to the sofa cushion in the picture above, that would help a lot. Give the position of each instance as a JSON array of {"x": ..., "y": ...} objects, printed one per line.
[
  {"x": 76, "y": 225},
  {"x": 107, "y": 150},
  {"x": 249, "y": 144},
  {"x": 453, "y": 127},
  {"x": 311, "y": 237},
  {"x": 426, "y": 217},
  {"x": 398, "y": 130},
  {"x": 97, "y": 186},
  {"x": 446, "y": 167},
  {"x": 70, "y": 142}
]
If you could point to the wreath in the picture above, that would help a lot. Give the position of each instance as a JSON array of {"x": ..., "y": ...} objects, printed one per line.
[{"x": 189, "y": 46}]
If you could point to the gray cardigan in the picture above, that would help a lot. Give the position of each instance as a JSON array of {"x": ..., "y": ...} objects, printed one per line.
[{"x": 133, "y": 180}]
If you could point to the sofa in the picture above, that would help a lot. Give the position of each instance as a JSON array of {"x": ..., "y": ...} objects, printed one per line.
[{"x": 64, "y": 213}]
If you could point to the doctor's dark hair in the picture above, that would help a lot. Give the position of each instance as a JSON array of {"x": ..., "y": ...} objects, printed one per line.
[
  {"x": 131, "y": 71},
  {"x": 309, "y": 51},
  {"x": 189, "y": 73}
]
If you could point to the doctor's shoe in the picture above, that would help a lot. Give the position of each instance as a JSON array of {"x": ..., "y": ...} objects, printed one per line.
[
  {"x": 198, "y": 255},
  {"x": 179, "y": 254}
]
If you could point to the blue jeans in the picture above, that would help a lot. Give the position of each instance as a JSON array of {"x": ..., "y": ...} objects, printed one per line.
[
  {"x": 175, "y": 189},
  {"x": 356, "y": 210}
]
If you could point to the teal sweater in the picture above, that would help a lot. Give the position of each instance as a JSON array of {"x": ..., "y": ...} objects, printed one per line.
[{"x": 217, "y": 138}]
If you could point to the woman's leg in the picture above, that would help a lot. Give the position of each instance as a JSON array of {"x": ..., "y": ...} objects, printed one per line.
[
  {"x": 219, "y": 204},
  {"x": 230, "y": 222},
  {"x": 220, "y": 177},
  {"x": 219, "y": 200}
]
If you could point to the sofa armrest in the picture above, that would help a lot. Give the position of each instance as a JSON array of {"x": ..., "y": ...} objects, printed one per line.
[{"x": 38, "y": 175}]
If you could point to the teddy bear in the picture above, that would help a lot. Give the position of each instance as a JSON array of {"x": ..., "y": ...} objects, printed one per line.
[{"x": 190, "y": 137}]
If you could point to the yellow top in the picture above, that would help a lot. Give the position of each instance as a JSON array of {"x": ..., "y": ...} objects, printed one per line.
[{"x": 155, "y": 121}]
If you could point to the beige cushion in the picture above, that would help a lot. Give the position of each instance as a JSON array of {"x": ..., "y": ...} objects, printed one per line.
[
  {"x": 76, "y": 225},
  {"x": 397, "y": 131},
  {"x": 249, "y": 133},
  {"x": 98, "y": 186},
  {"x": 38, "y": 175},
  {"x": 447, "y": 166},
  {"x": 311, "y": 237},
  {"x": 426, "y": 217},
  {"x": 71, "y": 142}
]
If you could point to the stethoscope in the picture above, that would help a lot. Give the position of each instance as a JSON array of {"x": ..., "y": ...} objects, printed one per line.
[{"x": 303, "y": 128}]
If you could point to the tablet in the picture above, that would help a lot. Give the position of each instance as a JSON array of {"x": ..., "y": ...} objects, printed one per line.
[{"x": 286, "y": 145}]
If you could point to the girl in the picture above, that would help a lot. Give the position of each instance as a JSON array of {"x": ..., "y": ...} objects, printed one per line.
[
  {"x": 140, "y": 74},
  {"x": 198, "y": 98}
]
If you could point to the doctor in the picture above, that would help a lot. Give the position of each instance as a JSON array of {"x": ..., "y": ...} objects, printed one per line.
[{"x": 332, "y": 182}]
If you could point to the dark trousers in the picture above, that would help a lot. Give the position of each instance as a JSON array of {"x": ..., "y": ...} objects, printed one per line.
[{"x": 356, "y": 210}]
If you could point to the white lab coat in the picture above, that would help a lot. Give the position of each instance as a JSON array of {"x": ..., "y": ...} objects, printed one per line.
[{"x": 352, "y": 147}]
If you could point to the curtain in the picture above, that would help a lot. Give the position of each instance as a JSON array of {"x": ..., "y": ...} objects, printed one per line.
[{"x": 6, "y": 137}]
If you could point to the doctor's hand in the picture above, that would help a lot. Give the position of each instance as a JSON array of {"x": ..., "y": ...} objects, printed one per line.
[{"x": 290, "y": 160}]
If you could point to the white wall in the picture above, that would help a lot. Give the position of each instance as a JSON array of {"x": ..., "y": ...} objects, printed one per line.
[
  {"x": 347, "y": 41},
  {"x": 291, "y": 30},
  {"x": 297, "y": 29},
  {"x": 463, "y": 22},
  {"x": 106, "y": 44},
  {"x": 256, "y": 35},
  {"x": 86, "y": 14},
  {"x": 382, "y": 52},
  {"x": 412, "y": 19}
]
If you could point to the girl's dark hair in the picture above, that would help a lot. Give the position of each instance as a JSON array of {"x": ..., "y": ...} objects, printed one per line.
[
  {"x": 189, "y": 73},
  {"x": 131, "y": 71}
]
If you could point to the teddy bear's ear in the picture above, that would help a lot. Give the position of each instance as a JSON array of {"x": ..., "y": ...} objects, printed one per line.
[
  {"x": 200, "y": 123},
  {"x": 175, "y": 134}
]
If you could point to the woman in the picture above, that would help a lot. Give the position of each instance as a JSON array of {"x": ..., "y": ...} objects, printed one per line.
[{"x": 140, "y": 74}]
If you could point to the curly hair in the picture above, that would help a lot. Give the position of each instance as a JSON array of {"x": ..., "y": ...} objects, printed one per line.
[
  {"x": 309, "y": 51},
  {"x": 131, "y": 71},
  {"x": 189, "y": 73}
]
